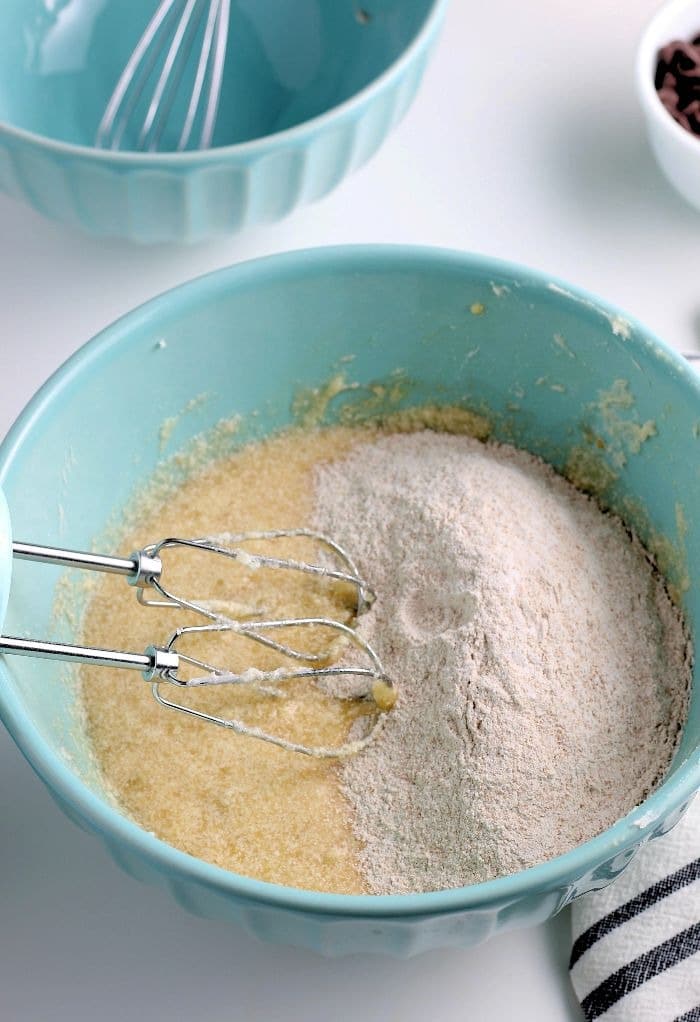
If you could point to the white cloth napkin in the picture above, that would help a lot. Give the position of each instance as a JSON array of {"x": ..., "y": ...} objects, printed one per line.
[{"x": 635, "y": 955}]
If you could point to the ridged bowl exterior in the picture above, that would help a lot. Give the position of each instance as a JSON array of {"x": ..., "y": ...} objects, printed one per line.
[
  {"x": 152, "y": 198},
  {"x": 248, "y": 338},
  {"x": 400, "y": 936}
]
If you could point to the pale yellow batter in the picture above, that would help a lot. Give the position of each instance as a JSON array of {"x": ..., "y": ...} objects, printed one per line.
[{"x": 234, "y": 801}]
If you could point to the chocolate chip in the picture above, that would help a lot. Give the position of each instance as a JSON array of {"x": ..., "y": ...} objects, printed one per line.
[
  {"x": 677, "y": 81},
  {"x": 689, "y": 74},
  {"x": 692, "y": 112},
  {"x": 679, "y": 55},
  {"x": 669, "y": 98}
]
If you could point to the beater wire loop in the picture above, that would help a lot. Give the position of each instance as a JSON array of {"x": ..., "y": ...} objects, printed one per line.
[{"x": 229, "y": 545}]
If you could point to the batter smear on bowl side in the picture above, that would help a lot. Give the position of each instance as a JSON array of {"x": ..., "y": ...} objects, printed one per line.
[{"x": 542, "y": 670}]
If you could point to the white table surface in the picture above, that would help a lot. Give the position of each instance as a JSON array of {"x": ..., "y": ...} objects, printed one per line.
[{"x": 525, "y": 142}]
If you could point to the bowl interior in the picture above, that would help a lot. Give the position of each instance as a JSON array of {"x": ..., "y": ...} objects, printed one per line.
[
  {"x": 553, "y": 371},
  {"x": 286, "y": 62}
]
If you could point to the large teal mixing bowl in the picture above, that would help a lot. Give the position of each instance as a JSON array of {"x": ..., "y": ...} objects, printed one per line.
[
  {"x": 533, "y": 355},
  {"x": 310, "y": 91}
]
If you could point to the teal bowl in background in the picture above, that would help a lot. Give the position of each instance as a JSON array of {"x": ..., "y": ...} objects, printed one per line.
[
  {"x": 310, "y": 91},
  {"x": 533, "y": 355}
]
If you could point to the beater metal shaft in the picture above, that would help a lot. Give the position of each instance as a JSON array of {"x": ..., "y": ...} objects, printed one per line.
[
  {"x": 156, "y": 660},
  {"x": 140, "y": 569}
]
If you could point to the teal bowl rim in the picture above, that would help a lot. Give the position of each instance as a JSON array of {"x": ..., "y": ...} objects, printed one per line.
[
  {"x": 388, "y": 76},
  {"x": 554, "y": 874}
]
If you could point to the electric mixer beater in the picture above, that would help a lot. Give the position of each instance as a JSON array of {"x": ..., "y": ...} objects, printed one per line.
[{"x": 170, "y": 664}]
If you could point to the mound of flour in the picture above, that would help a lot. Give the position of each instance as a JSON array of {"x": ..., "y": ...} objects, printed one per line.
[{"x": 542, "y": 669}]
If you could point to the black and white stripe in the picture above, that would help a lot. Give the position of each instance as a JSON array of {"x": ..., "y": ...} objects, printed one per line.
[
  {"x": 640, "y": 970},
  {"x": 690, "y": 1016},
  {"x": 649, "y": 897},
  {"x": 636, "y": 948}
]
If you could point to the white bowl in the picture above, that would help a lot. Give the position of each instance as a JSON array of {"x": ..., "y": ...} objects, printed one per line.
[{"x": 677, "y": 150}]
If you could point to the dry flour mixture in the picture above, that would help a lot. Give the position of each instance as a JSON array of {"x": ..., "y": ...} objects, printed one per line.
[{"x": 541, "y": 665}]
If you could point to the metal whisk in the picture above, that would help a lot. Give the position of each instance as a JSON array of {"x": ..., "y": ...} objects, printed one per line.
[
  {"x": 168, "y": 663},
  {"x": 162, "y": 56}
]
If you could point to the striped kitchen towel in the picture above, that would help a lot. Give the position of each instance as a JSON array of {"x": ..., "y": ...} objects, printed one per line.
[{"x": 636, "y": 944}]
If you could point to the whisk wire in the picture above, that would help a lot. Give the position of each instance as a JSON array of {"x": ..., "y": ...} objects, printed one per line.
[
  {"x": 224, "y": 14},
  {"x": 170, "y": 76},
  {"x": 213, "y": 20},
  {"x": 173, "y": 30},
  {"x": 132, "y": 81}
]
